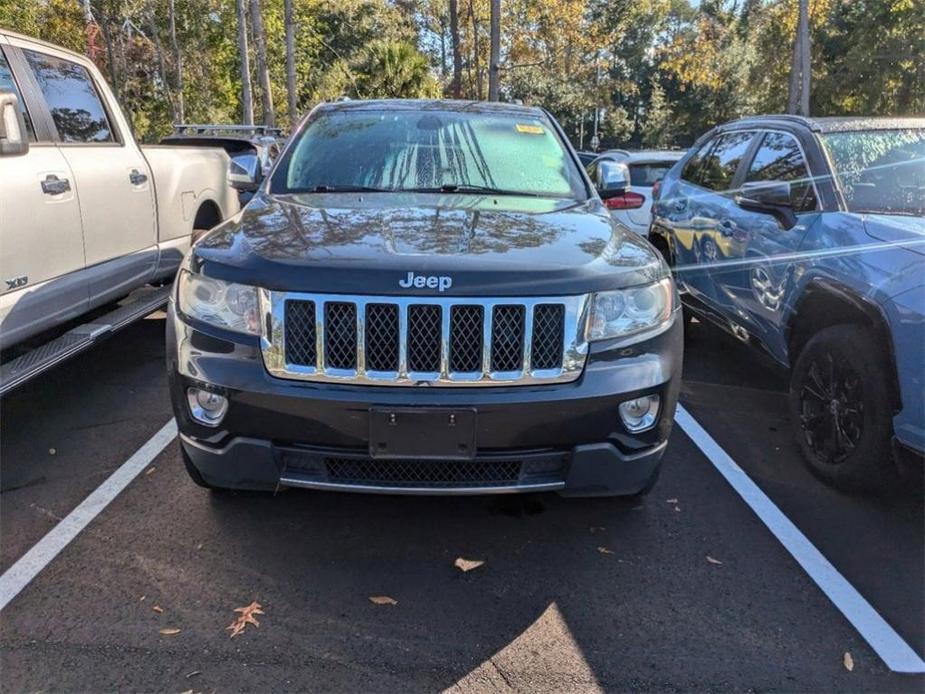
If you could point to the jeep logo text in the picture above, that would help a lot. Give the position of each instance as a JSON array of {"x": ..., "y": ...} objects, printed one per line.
[{"x": 441, "y": 283}]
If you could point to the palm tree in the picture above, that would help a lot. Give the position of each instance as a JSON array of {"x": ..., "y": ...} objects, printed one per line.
[{"x": 394, "y": 69}]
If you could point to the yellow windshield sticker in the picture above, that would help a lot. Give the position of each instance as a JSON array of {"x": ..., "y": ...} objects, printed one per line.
[{"x": 531, "y": 129}]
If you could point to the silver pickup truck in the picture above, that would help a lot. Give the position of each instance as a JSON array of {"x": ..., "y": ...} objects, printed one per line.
[{"x": 86, "y": 214}]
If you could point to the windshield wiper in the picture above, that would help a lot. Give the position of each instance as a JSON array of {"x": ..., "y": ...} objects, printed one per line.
[
  {"x": 345, "y": 189},
  {"x": 468, "y": 188}
]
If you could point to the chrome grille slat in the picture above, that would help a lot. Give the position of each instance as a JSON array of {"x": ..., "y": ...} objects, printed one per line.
[{"x": 404, "y": 341}]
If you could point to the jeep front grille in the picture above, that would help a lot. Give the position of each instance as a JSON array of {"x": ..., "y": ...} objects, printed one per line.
[{"x": 382, "y": 340}]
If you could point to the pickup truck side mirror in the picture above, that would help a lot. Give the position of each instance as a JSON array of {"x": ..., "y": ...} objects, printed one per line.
[
  {"x": 245, "y": 172},
  {"x": 768, "y": 197},
  {"x": 612, "y": 178},
  {"x": 14, "y": 140}
]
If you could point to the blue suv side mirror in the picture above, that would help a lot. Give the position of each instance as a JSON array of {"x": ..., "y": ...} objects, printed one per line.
[{"x": 768, "y": 197}]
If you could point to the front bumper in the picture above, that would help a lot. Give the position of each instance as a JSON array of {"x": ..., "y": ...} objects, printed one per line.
[{"x": 564, "y": 437}]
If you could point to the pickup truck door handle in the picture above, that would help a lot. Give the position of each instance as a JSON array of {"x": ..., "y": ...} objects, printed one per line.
[
  {"x": 52, "y": 185},
  {"x": 137, "y": 178}
]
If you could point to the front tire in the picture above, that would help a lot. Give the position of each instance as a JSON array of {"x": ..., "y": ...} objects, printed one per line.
[{"x": 841, "y": 408}]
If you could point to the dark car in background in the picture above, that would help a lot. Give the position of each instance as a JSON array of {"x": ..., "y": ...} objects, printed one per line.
[{"x": 806, "y": 238}]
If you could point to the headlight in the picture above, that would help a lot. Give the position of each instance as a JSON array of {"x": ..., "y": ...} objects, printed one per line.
[
  {"x": 627, "y": 311},
  {"x": 222, "y": 304}
]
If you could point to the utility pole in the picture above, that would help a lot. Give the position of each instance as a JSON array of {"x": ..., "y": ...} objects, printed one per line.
[
  {"x": 495, "y": 52},
  {"x": 800, "y": 64},
  {"x": 247, "y": 100}
]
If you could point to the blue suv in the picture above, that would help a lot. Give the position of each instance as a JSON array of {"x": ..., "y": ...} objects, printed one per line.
[{"x": 806, "y": 238}]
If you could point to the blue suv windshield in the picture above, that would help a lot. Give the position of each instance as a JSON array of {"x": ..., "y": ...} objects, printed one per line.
[
  {"x": 429, "y": 151},
  {"x": 880, "y": 171}
]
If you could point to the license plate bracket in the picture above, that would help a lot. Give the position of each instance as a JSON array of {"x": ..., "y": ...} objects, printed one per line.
[{"x": 422, "y": 433}]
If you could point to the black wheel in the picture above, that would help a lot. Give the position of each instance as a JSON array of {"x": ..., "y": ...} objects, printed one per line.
[{"x": 841, "y": 408}]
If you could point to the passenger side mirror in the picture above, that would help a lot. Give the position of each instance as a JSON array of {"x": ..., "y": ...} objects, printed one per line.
[
  {"x": 245, "y": 172},
  {"x": 768, "y": 197},
  {"x": 613, "y": 178},
  {"x": 14, "y": 140}
]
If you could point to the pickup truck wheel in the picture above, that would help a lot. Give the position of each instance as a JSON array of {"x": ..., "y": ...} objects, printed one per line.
[{"x": 841, "y": 408}]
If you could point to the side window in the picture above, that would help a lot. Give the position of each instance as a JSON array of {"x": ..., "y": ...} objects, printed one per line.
[
  {"x": 72, "y": 98},
  {"x": 8, "y": 84},
  {"x": 779, "y": 159},
  {"x": 719, "y": 167},
  {"x": 691, "y": 170}
]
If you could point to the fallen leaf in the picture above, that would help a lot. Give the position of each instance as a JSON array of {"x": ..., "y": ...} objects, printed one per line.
[
  {"x": 712, "y": 560},
  {"x": 671, "y": 501},
  {"x": 150, "y": 470},
  {"x": 157, "y": 608},
  {"x": 246, "y": 617},
  {"x": 848, "y": 661},
  {"x": 598, "y": 529},
  {"x": 52, "y": 451},
  {"x": 169, "y": 632},
  {"x": 604, "y": 550},
  {"x": 199, "y": 546},
  {"x": 677, "y": 508},
  {"x": 465, "y": 565},
  {"x": 142, "y": 598},
  {"x": 383, "y": 600},
  {"x": 193, "y": 674}
]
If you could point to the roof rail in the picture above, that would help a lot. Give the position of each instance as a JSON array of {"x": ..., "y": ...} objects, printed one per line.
[
  {"x": 802, "y": 120},
  {"x": 201, "y": 129}
]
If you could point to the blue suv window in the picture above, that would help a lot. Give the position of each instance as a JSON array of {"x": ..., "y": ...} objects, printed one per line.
[
  {"x": 720, "y": 165},
  {"x": 779, "y": 159}
]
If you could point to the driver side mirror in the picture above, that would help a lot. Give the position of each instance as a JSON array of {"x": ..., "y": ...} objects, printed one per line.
[
  {"x": 768, "y": 197},
  {"x": 245, "y": 172},
  {"x": 612, "y": 179},
  {"x": 14, "y": 140}
]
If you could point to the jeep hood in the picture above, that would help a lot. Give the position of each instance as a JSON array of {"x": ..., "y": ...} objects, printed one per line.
[{"x": 367, "y": 244}]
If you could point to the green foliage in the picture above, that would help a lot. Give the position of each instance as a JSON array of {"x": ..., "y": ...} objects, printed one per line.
[{"x": 659, "y": 71}]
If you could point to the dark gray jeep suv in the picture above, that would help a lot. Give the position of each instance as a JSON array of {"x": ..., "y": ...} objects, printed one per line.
[{"x": 426, "y": 297}]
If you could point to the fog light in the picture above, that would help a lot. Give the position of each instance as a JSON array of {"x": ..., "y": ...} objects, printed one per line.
[
  {"x": 206, "y": 407},
  {"x": 639, "y": 414}
]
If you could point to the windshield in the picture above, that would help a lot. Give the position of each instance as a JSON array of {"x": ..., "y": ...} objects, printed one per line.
[
  {"x": 429, "y": 151},
  {"x": 880, "y": 171}
]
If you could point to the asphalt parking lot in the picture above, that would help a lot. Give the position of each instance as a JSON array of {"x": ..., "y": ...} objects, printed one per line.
[{"x": 685, "y": 590}]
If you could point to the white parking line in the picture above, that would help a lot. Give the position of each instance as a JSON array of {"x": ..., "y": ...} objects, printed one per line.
[
  {"x": 32, "y": 562},
  {"x": 891, "y": 648}
]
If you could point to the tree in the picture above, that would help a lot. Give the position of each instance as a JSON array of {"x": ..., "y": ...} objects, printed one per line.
[
  {"x": 263, "y": 71},
  {"x": 390, "y": 69},
  {"x": 291, "y": 94},
  {"x": 247, "y": 100},
  {"x": 457, "y": 53},
  {"x": 178, "y": 60}
]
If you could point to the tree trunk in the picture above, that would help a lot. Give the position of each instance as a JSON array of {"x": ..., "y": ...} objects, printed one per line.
[
  {"x": 290, "y": 64},
  {"x": 495, "y": 52},
  {"x": 475, "y": 50},
  {"x": 114, "y": 73},
  {"x": 178, "y": 60},
  {"x": 263, "y": 72},
  {"x": 457, "y": 54},
  {"x": 247, "y": 100}
]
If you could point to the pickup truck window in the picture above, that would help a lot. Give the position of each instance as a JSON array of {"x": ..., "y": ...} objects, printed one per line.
[
  {"x": 75, "y": 105},
  {"x": 8, "y": 84},
  {"x": 430, "y": 150},
  {"x": 779, "y": 159}
]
